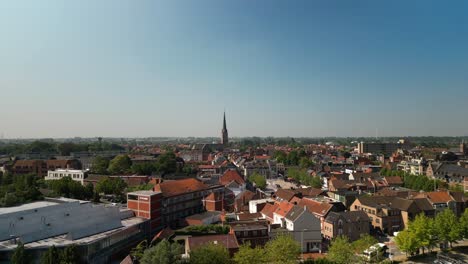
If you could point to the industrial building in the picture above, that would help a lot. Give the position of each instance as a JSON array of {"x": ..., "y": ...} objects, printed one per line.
[{"x": 100, "y": 232}]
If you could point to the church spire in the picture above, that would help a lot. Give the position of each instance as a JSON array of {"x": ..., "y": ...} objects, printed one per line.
[
  {"x": 224, "y": 131},
  {"x": 224, "y": 121}
]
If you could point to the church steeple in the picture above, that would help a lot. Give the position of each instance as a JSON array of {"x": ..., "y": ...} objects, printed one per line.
[{"x": 224, "y": 132}]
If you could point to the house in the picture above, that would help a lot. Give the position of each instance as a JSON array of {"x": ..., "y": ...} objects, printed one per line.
[
  {"x": 441, "y": 200},
  {"x": 268, "y": 210},
  {"x": 205, "y": 218},
  {"x": 255, "y": 232},
  {"x": 352, "y": 224},
  {"x": 451, "y": 173},
  {"x": 280, "y": 213},
  {"x": 228, "y": 241},
  {"x": 232, "y": 180},
  {"x": 391, "y": 214},
  {"x": 243, "y": 199},
  {"x": 41, "y": 167},
  {"x": 305, "y": 228},
  {"x": 321, "y": 207},
  {"x": 393, "y": 181}
]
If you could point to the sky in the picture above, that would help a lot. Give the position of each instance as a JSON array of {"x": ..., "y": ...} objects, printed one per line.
[{"x": 117, "y": 68}]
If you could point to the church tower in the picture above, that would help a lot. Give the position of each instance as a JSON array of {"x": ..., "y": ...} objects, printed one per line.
[
  {"x": 224, "y": 132},
  {"x": 463, "y": 148}
]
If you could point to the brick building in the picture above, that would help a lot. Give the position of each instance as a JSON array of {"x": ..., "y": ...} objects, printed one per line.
[
  {"x": 146, "y": 204},
  {"x": 41, "y": 167},
  {"x": 181, "y": 198}
]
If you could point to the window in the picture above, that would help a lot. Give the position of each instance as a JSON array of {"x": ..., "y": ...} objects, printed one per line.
[{"x": 132, "y": 197}]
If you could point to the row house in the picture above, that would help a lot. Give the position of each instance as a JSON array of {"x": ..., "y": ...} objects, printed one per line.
[
  {"x": 452, "y": 173},
  {"x": 41, "y": 167},
  {"x": 391, "y": 214},
  {"x": 441, "y": 200},
  {"x": 352, "y": 224}
]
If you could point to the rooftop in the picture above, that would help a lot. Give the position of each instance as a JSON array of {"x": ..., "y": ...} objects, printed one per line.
[{"x": 28, "y": 206}]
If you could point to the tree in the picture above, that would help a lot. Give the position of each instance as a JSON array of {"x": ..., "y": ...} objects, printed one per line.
[
  {"x": 109, "y": 185},
  {"x": 249, "y": 255},
  {"x": 282, "y": 249},
  {"x": 363, "y": 243},
  {"x": 447, "y": 227},
  {"x": 341, "y": 252},
  {"x": 163, "y": 253},
  {"x": 143, "y": 168},
  {"x": 138, "y": 252},
  {"x": 70, "y": 255},
  {"x": 166, "y": 163},
  {"x": 258, "y": 180},
  {"x": 50, "y": 256},
  {"x": 210, "y": 254},
  {"x": 120, "y": 165},
  {"x": 305, "y": 163},
  {"x": 407, "y": 242},
  {"x": 423, "y": 229},
  {"x": 20, "y": 256},
  {"x": 464, "y": 223},
  {"x": 100, "y": 165}
]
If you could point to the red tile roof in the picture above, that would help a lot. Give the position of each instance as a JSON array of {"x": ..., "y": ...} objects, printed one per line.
[
  {"x": 316, "y": 207},
  {"x": 284, "y": 208},
  {"x": 269, "y": 209},
  {"x": 229, "y": 241},
  {"x": 178, "y": 187},
  {"x": 439, "y": 197},
  {"x": 230, "y": 176}
]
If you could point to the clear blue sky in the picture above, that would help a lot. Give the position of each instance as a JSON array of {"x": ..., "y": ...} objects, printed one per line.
[{"x": 279, "y": 68}]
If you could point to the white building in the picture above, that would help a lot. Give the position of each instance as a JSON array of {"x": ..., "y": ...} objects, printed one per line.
[{"x": 76, "y": 175}]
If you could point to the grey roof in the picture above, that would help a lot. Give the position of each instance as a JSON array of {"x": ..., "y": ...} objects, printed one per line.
[
  {"x": 350, "y": 216},
  {"x": 295, "y": 212}
]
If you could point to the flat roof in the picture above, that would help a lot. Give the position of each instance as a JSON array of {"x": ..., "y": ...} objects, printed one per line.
[
  {"x": 144, "y": 192},
  {"x": 61, "y": 240},
  {"x": 67, "y": 170},
  {"x": 28, "y": 206}
]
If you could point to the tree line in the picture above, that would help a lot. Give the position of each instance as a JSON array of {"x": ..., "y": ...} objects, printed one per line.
[
  {"x": 18, "y": 189},
  {"x": 53, "y": 255},
  {"x": 122, "y": 164},
  {"x": 424, "y": 233},
  {"x": 42, "y": 146}
]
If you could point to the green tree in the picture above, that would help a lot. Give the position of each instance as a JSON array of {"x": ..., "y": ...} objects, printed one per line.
[
  {"x": 282, "y": 249},
  {"x": 210, "y": 254},
  {"x": 341, "y": 252},
  {"x": 258, "y": 180},
  {"x": 163, "y": 253},
  {"x": 407, "y": 242},
  {"x": 363, "y": 243},
  {"x": 447, "y": 227},
  {"x": 121, "y": 164},
  {"x": 138, "y": 251},
  {"x": 305, "y": 163},
  {"x": 143, "y": 168},
  {"x": 249, "y": 255},
  {"x": 464, "y": 224},
  {"x": 423, "y": 229},
  {"x": 109, "y": 185},
  {"x": 51, "y": 256},
  {"x": 20, "y": 256},
  {"x": 100, "y": 165},
  {"x": 166, "y": 163},
  {"x": 70, "y": 255}
]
